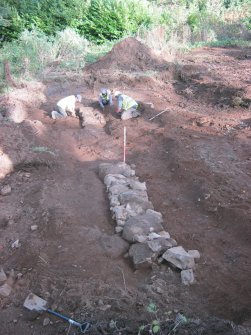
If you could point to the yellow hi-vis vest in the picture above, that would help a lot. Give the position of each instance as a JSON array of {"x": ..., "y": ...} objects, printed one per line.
[{"x": 128, "y": 102}]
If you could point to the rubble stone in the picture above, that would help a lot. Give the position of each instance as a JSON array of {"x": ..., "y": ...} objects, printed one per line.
[
  {"x": 114, "y": 246},
  {"x": 164, "y": 234},
  {"x": 194, "y": 253},
  {"x": 118, "y": 189},
  {"x": 115, "y": 179},
  {"x": 160, "y": 245},
  {"x": 46, "y": 322},
  {"x": 141, "y": 255},
  {"x": 134, "y": 209},
  {"x": 119, "y": 168},
  {"x": 178, "y": 257},
  {"x": 118, "y": 229},
  {"x": 5, "y": 290},
  {"x": 5, "y": 190},
  {"x": 137, "y": 185},
  {"x": 187, "y": 277},
  {"x": 120, "y": 213},
  {"x": 142, "y": 224},
  {"x": 3, "y": 276},
  {"x": 114, "y": 200},
  {"x": 133, "y": 196}
]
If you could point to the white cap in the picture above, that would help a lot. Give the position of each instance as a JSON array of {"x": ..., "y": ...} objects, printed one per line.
[
  {"x": 79, "y": 97},
  {"x": 117, "y": 93}
]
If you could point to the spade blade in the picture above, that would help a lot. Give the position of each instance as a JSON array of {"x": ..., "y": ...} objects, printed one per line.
[{"x": 35, "y": 303}]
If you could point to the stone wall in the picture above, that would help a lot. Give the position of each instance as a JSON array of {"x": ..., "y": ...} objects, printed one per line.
[{"x": 142, "y": 226}]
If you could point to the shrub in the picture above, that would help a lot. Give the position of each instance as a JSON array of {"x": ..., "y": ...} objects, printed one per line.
[
  {"x": 112, "y": 19},
  {"x": 34, "y": 51}
]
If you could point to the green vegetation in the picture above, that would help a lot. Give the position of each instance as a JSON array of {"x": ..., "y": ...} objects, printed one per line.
[{"x": 35, "y": 35}]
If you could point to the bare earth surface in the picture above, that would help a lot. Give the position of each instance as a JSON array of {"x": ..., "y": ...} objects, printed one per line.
[{"x": 195, "y": 159}]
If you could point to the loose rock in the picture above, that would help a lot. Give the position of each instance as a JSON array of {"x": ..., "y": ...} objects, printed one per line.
[
  {"x": 16, "y": 244},
  {"x": 46, "y": 322},
  {"x": 3, "y": 276},
  {"x": 5, "y": 290},
  {"x": 194, "y": 253},
  {"x": 178, "y": 257},
  {"x": 187, "y": 277},
  {"x": 5, "y": 190},
  {"x": 34, "y": 227},
  {"x": 114, "y": 246}
]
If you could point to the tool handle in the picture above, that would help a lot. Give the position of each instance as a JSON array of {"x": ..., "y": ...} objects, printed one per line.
[{"x": 64, "y": 317}]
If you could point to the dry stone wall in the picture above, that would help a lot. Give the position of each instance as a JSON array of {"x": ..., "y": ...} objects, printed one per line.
[{"x": 142, "y": 226}]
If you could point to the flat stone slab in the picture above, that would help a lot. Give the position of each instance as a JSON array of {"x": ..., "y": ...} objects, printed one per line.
[
  {"x": 142, "y": 225},
  {"x": 187, "y": 277},
  {"x": 117, "y": 168},
  {"x": 178, "y": 257},
  {"x": 141, "y": 255}
]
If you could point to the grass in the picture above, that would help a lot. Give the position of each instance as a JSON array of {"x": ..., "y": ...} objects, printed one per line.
[{"x": 222, "y": 43}]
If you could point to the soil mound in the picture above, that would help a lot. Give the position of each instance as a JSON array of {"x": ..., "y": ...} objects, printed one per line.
[{"x": 130, "y": 55}]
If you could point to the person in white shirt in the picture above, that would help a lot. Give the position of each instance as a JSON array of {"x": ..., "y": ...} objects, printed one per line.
[{"x": 66, "y": 107}]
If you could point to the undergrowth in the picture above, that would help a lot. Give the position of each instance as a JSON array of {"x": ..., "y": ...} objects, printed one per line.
[{"x": 39, "y": 45}]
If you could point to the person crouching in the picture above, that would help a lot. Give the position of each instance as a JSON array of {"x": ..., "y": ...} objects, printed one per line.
[
  {"x": 127, "y": 106},
  {"x": 66, "y": 107},
  {"x": 105, "y": 98}
]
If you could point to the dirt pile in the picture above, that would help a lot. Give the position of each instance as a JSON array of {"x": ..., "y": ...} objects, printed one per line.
[{"x": 130, "y": 55}]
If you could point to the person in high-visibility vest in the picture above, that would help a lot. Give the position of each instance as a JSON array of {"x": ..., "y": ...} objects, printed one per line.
[
  {"x": 66, "y": 107},
  {"x": 105, "y": 98},
  {"x": 127, "y": 106}
]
